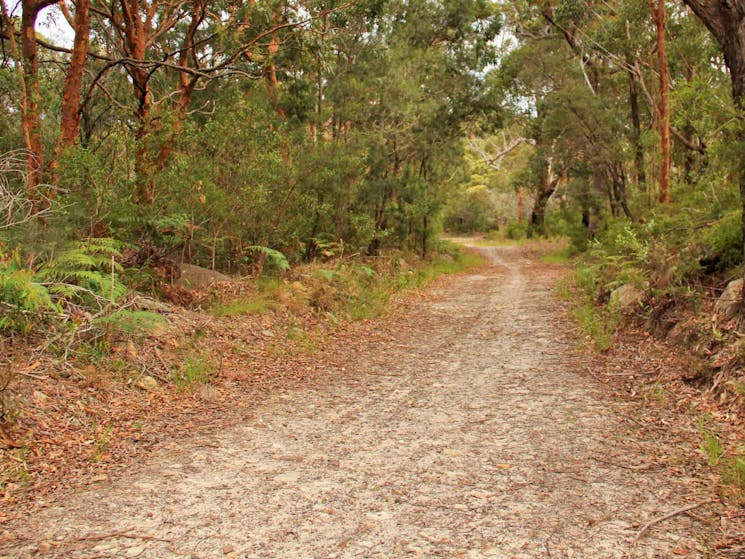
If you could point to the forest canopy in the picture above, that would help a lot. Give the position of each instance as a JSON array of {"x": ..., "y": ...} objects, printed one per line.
[
  {"x": 203, "y": 129},
  {"x": 199, "y": 131}
]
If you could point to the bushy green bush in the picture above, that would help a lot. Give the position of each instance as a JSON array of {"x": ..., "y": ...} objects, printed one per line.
[
  {"x": 473, "y": 210},
  {"x": 24, "y": 299},
  {"x": 722, "y": 242},
  {"x": 516, "y": 231}
]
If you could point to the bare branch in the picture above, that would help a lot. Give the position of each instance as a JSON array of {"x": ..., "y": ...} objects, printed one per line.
[
  {"x": 16, "y": 207},
  {"x": 491, "y": 154}
]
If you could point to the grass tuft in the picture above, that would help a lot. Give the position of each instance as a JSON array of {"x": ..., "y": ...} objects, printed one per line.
[
  {"x": 196, "y": 371},
  {"x": 710, "y": 446},
  {"x": 599, "y": 323}
]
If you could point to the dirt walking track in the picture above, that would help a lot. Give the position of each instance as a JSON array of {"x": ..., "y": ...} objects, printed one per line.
[{"x": 472, "y": 435}]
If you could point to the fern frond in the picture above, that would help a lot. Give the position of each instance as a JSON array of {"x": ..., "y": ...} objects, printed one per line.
[
  {"x": 105, "y": 245},
  {"x": 73, "y": 259},
  {"x": 275, "y": 257}
]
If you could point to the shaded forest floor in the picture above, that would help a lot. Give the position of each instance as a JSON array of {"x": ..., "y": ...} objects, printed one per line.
[{"x": 470, "y": 422}]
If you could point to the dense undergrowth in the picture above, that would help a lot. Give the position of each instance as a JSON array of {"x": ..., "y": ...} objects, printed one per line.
[
  {"x": 346, "y": 289},
  {"x": 663, "y": 274},
  {"x": 86, "y": 283}
]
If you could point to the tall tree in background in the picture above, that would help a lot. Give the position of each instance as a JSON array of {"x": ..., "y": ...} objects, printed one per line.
[{"x": 659, "y": 15}]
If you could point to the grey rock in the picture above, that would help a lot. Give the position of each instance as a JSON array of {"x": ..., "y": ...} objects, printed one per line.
[
  {"x": 729, "y": 303},
  {"x": 626, "y": 296},
  {"x": 148, "y": 304},
  {"x": 683, "y": 333},
  {"x": 147, "y": 383},
  {"x": 197, "y": 277}
]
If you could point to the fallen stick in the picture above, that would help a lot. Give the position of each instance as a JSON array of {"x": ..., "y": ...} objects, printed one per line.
[
  {"x": 123, "y": 534},
  {"x": 667, "y": 516},
  {"x": 5, "y": 438},
  {"x": 639, "y": 468}
]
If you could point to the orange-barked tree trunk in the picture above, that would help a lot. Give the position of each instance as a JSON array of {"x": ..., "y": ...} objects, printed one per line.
[
  {"x": 70, "y": 110},
  {"x": 30, "y": 95},
  {"x": 187, "y": 82},
  {"x": 136, "y": 29}
]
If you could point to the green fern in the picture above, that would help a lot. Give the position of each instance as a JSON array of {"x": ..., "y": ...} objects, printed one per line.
[
  {"x": 23, "y": 298},
  {"x": 274, "y": 257},
  {"x": 86, "y": 271}
]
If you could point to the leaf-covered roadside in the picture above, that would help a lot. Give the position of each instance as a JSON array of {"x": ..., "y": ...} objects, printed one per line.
[
  {"x": 679, "y": 421},
  {"x": 656, "y": 289},
  {"x": 114, "y": 398}
]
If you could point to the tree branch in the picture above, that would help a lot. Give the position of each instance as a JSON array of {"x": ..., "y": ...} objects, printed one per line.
[{"x": 700, "y": 147}]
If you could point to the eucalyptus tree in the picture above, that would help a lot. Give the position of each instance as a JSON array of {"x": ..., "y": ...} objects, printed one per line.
[{"x": 726, "y": 21}]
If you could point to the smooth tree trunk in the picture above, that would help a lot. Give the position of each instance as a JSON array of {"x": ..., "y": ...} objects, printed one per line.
[
  {"x": 659, "y": 15},
  {"x": 636, "y": 133}
]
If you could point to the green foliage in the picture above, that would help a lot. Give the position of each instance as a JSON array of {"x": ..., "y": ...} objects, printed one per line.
[
  {"x": 729, "y": 464},
  {"x": 734, "y": 474},
  {"x": 348, "y": 288},
  {"x": 24, "y": 299},
  {"x": 86, "y": 272},
  {"x": 559, "y": 255},
  {"x": 356, "y": 149},
  {"x": 597, "y": 322},
  {"x": 471, "y": 211},
  {"x": 196, "y": 370},
  {"x": 261, "y": 302},
  {"x": 711, "y": 447},
  {"x": 274, "y": 258},
  {"x": 517, "y": 231},
  {"x": 722, "y": 243},
  {"x": 124, "y": 321},
  {"x": 654, "y": 255}
]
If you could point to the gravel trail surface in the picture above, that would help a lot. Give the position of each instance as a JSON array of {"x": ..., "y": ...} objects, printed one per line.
[{"x": 472, "y": 435}]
